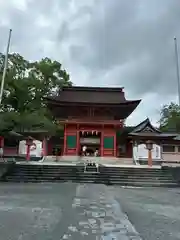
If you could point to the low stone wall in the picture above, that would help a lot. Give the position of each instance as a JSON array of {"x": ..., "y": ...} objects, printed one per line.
[
  {"x": 175, "y": 172},
  {"x": 154, "y": 162},
  {"x": 4, "y": 168},
  {"x": 19, "y": 158}
]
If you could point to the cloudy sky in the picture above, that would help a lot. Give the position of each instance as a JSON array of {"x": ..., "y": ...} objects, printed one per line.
[{"x": 125, "y": 43}]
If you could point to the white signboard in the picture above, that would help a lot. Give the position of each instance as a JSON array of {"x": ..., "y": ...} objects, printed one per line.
[
  {"x": 90, "y": 140},
  {"x": 35, "y": 149},
  {"x": 140, "y": 152}
]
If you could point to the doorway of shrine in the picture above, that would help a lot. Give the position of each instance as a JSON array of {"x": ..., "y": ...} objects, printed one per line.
[{"x": 92, "y": 141}]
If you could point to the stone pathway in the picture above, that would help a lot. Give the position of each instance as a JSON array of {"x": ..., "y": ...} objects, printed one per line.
[{"x": 99, "y": 216}]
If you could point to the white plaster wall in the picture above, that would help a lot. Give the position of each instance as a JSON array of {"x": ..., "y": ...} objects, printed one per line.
[
  {"x": 37, "y": 152},
  {"x": 140, "y": 152},
  {"x": 171, "y": 157}
]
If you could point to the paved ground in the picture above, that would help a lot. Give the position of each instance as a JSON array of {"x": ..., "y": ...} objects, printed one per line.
[
  {"x": 154, "y": 212},
  {"x": 92, "y": 212}
]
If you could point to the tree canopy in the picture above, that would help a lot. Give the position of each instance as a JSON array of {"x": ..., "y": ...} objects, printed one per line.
[
  {"x": 170, "y": 118},
  {"x": 26, "y": 85}
]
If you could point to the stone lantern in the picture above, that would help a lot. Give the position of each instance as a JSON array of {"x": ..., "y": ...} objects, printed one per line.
[
  {"x": 149, "y": 146},
  {"x": 29, "y": 143}
]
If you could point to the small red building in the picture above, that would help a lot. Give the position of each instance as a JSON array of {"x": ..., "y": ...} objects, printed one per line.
[{"x": 91, "y": 116}]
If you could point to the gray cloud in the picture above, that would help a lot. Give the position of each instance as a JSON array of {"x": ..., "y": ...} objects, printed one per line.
[
  {"x": 101, "y": 42},
  {"x": 120, "y": 36}
]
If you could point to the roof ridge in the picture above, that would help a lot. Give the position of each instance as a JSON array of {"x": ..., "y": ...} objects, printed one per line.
[
  {"x": 86, "y": 88},
  {"x": 144, "y": 124}
]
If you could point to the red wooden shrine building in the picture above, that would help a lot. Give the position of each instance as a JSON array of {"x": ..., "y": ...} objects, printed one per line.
[
  {"x": 91, "y": 116},
  {"x": 95, "y": 117}
]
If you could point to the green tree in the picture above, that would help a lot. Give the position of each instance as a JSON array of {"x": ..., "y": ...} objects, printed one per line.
[
  {"x": 26, "y": 86},
  {"x": 48, "y": 77},
  {"x": 8, "y": 122},
  {"x": 170, "y": 117}
]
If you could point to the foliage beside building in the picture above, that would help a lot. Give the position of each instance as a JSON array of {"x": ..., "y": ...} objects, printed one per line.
[{"x": 26, "y": 86}]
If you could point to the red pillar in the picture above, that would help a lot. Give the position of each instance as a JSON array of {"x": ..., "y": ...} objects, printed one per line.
[
  {"x": 1, "y": 142},
  {"x": 65, "y": 137},
  {"x": 29, "y": 142},
  {"x": 149, "y": 158},
  {"x": 1, "y": 145},
  {"x": 44, "y": 147},
  {"x": 28, "y": 152},
  {"x": 115, "y": 154},
  {"x": 78, "y": 142},
  {"x": 102, "y": 141}
]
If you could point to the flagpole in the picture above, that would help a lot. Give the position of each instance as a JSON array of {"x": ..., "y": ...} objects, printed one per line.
[
  {"x": 5, "y": 66},
  {"x": 177, "y": 67}
]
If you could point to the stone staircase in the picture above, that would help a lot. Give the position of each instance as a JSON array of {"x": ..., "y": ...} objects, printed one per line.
[
  {"x": 140, "y": 177},
  {"x": 41, "y": 173},
  {"x": 123, "y": 176},
  {"x": 100, "y": 160}
]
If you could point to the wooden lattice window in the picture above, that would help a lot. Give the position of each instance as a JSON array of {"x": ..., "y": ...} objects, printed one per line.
[{"x": 168, "y": 148}]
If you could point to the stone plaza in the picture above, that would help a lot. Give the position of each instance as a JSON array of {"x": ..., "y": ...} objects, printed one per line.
[{"x": 51, "y": 211}]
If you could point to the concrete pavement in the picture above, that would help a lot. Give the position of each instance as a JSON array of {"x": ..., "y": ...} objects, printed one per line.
[
  {"x": 155, "y": 212},
  {"x": 86, "y": 211}
]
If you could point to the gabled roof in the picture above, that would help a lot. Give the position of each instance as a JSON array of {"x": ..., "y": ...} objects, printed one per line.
[
  {"x": 145, "y": 127},
  {"x": 12, "y": 134},
  {"x": 101, "y": 95},
  {"x": 15, "y": 134},
  {"x": 177, "y": 137}
]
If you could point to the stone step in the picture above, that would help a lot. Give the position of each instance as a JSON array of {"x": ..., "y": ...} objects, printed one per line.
[
  {"x": 56, "y": 177},
  {"x": 90, "y": 174},
  {"x": 139, "y": 177},
  {"x": 102, "y": 160},
  {"x": 125, "y": 172},
  {"x": 122, "y": 170},
  {"x": 70, "y": 173},
  {"x": 87, "y": 180},
  {"x": 152, "y": 174},
  {"x": 76, "y": 171},
  {"x": 121, "y": 176},
  {"x": 145, "y": 184},
  {"x": 139, "y": 180}
]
